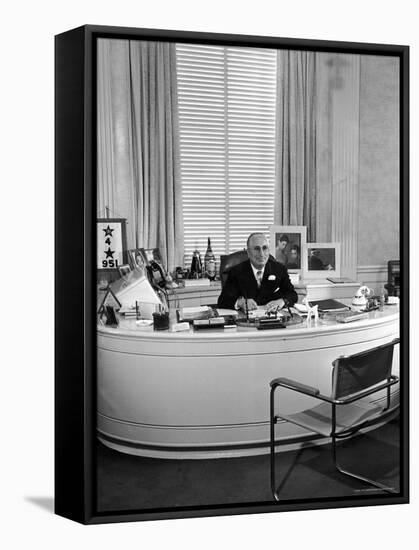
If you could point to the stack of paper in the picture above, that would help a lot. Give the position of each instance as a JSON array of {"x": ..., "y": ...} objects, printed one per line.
[
  {"x": 195, "y": 313},
  {"x": 301, "y": 308},
  {"x": 197, "y": 282}
]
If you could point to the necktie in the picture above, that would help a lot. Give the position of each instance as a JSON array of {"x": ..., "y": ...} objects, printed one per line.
[{"x": 259, "y": 278}]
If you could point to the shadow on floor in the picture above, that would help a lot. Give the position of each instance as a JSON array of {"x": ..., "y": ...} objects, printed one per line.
[
  {"x": 128, "y": 482},
  {"x": 46, "y": 503}
]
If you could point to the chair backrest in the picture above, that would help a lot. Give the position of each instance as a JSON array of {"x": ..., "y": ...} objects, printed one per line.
[
  {"x": 393, "y": 273},
  {"x": 227, "y": 261},
  {"x": 354, "y": 373}
]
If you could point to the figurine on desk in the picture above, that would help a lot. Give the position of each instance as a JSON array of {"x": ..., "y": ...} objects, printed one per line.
[{"x": 312, "y": 311}]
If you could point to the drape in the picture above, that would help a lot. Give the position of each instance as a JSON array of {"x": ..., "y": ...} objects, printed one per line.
[
  {"x": 295, "y": 165},
  {"x": 138, "y": 143}
]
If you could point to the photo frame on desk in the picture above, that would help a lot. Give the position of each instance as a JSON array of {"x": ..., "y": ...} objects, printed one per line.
[
  {"x": 124, "y": 270},
  {"x": 151, "y": 255},
  {"x": 126, "y": 391},
  {"x": 287, "y": 243},
  {"x": 321, "y": 260},
  {"x": 136, "y": 259},
  {"x": 154, "y": 266}
]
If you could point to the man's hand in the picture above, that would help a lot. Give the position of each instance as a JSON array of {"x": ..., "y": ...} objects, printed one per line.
[
  {"x": 275, "y": 305},
  {"x": 251, "y": 304}
]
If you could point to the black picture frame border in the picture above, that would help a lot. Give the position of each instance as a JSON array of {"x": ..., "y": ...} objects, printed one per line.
[{"x": 75, "y": 285}]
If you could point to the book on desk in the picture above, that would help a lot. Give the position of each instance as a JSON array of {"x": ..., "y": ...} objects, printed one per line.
[
  {"x": 340, "y": 280},
  {"x": 329, "y": 306}
]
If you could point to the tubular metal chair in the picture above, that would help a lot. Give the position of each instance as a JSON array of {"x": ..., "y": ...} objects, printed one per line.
[{"x": 347, "y": 410}]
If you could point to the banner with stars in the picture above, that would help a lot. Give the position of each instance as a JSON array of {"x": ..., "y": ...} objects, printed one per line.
[{"x": 109, "y": 244}]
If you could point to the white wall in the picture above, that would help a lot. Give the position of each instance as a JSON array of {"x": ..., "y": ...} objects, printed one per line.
[
  {"x": 378, "y": 220},
  {"x": 379, "y": 201}
]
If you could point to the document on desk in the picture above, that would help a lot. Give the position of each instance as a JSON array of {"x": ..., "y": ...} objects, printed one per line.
[
  {"x": 195, "y": 313},
  {"x": 301, "y": 308},
  {"x": 223, "y": 312},
  {"x": 196, "y": 309},
  {"x": 253, "y": 314},
  {"x": 257, "y": 313}
]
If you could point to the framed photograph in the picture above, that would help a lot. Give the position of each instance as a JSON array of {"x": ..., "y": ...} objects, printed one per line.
[
  {"x": 151, "y": 255},
  {"x": 124, "y": 270},
  {"x": 154, "y": 266},
  {"x": 286, "y": 244},
  {"x": 136, "y": 259},
  {"x": 186, "y": 422},
  {"x": 321, "y": 260}
]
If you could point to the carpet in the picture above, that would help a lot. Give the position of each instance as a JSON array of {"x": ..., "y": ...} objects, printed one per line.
[{"x": 126, "y": 482}]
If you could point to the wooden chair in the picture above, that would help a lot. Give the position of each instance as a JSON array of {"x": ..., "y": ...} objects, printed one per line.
[{"x": 347, "y": 410}]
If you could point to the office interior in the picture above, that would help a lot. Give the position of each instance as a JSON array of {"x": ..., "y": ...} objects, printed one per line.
[{"x": 183, "y": 417}]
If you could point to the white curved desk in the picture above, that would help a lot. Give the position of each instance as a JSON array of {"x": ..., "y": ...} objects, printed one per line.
[{"x": 206, "y": 394}]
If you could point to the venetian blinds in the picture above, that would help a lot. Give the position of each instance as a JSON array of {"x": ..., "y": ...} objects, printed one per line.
[{"x": 227, "y": 143}]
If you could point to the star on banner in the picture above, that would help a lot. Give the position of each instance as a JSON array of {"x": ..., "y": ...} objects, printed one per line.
[
  {"x": 109, "y": 253},
  {"x": 108, "y": 231}
]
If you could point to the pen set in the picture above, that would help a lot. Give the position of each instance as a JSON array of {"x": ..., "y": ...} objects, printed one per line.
[
  {"x": 161, "y": 310},
  {"x": 161, "y": 318}
]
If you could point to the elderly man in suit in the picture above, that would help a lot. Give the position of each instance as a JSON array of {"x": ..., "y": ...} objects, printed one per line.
[{"x": 260, "y": 280}]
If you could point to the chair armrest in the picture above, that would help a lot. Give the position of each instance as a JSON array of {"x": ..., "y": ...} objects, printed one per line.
[
  {"x": 351, "y": 398},
  {"x": 293, "y": 385}
]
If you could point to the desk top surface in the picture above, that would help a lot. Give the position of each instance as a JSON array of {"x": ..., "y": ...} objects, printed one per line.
[
  {"x": 302, "y": 284},
  {"x": 129, "y": 328}
]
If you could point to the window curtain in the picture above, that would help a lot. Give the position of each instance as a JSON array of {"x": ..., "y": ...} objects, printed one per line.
[
  {"x": 138, "y": 143},
  {"x": 295, "y": 178}
]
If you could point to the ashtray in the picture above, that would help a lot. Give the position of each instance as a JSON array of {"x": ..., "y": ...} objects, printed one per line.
[{"x": 144, "y": 323}]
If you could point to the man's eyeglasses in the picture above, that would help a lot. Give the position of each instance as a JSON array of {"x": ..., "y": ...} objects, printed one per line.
[{"x": 263, "y": 248}]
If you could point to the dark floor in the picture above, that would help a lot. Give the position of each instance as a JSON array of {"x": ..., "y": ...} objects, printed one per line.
[{"x": 128, "y": 482}]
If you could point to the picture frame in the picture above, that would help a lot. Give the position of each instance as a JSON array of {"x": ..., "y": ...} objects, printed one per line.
[
  {"x": 152, "y": 254},
  {"x": 124, "y": 270},
  {"x": 321, "y": 260},
  {"x": 154, "y": 266},
  {"x": 136, "y": 259},
  {"x": 111, "y": 251},
  {"x": 76, "y": 352},
  {"x": 291, "y": 251}
]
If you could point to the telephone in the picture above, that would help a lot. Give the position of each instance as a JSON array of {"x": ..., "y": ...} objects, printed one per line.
[
  {"x": 158, "y": 278},
  {"x": 360, "y": 300},
  {"x": 155, "y": 274}
]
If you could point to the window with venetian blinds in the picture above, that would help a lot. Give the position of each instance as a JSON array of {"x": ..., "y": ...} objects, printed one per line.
[{"x": 227, "y": 144}]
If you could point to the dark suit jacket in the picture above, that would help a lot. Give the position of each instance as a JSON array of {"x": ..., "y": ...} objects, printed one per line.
[{"x": 242, "y": 282}]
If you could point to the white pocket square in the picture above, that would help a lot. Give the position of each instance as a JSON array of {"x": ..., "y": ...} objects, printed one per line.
[
  {"x": 276, "y": 290},
  {"x": 271, "y": 278}
]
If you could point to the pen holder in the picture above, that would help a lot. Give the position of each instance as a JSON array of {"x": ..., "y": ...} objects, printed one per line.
[{"x": 161, "y": 320}]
